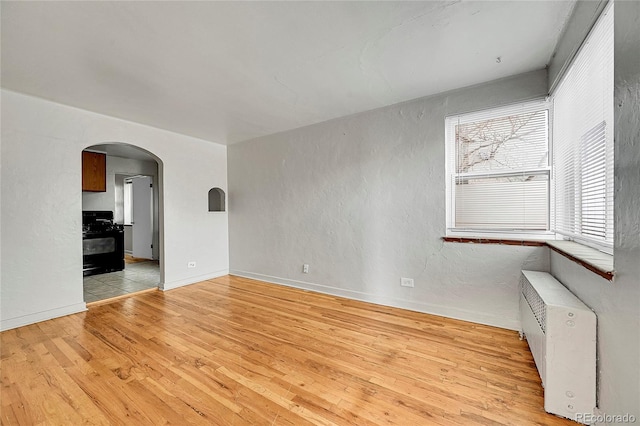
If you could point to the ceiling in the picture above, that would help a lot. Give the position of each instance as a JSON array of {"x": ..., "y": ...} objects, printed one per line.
[{"x": 232, "y": 71}]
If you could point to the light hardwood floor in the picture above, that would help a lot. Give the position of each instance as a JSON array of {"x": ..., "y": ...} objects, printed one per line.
[{"x": 233, "y": 351}]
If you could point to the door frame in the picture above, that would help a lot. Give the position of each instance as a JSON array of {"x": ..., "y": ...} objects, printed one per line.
[
  {"x": 149, "y": 210},
  {"x": 160, "y": 201}
]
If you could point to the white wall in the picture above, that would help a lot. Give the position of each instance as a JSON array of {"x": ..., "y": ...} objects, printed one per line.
[
  {"x": 107, "y": 200},
  {"x": 42, "y": 203},
  {"x": 361, "y": 199},
  {"x": 617, "y": 303}
]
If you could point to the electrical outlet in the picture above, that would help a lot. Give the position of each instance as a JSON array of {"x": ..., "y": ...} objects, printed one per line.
[
  {"x": 305, "y": 268},
  {"x": 406, "y": 282},
  {"x": 191, "y": 265}
]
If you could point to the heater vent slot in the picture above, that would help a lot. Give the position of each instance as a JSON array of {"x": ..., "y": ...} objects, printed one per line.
[{"x": 535, "y": 302}]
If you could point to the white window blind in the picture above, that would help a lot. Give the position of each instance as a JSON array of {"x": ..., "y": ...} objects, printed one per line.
[
  {"x": 583, "y": 141},
  {"x": 498, "y": 170}
]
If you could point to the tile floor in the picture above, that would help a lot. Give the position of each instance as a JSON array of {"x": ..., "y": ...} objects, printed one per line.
[{"x": 135, "y": 277}]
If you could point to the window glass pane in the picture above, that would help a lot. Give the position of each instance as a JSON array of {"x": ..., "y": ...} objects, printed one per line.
[
  {"x": 128, "y": 202},
  {"x": 513, "y": 142},
  {"x": 506, "y": 203}
]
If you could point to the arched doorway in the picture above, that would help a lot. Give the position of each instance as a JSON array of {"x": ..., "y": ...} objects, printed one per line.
[{"x": 122, "y": 222}]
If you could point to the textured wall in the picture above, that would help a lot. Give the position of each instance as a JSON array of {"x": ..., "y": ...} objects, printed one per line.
[
  {"x": 617, "y": 303},
  {"x": 42, "y": 203},
  {"x": 362, "y": 200}
]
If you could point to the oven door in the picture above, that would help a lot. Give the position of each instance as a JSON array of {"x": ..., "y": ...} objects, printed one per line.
[{"x": 102, "y": 252}]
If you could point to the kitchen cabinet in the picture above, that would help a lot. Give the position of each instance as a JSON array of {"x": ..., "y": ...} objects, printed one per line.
[{"x": 94, "y": 171}]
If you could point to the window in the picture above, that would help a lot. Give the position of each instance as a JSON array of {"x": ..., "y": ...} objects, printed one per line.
[
  {"x": 500, "y": 180},
  {"x": 499, "y": 173},
  {"x": 128, "y": 201},
  {"x": 583, "y": 141}
]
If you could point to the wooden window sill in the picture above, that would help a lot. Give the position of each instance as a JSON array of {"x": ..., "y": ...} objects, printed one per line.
[{"x": 590, "y": 258}]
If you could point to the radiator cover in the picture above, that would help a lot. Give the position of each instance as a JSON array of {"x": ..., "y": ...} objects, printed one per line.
[{"x": 561, "y": 332}]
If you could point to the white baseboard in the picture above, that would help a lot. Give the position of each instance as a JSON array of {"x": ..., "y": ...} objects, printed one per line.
[
  {"x": 16, "y": 322},
  {"x": 192, "y": 280},
  {"x": 427, "y": 308}
]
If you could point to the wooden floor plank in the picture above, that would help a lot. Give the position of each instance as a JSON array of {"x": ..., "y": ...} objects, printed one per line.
[{"x": 235, "y": 351}]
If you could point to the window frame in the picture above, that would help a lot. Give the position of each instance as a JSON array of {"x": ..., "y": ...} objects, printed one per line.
[
  {"x": 127, "y": 201},
  {"x": 450, "y": 172},
  {"x": 603, "y": 245}
]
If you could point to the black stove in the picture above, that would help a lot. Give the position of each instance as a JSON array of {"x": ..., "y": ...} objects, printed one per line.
[{"x": 102, "y": 243}]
